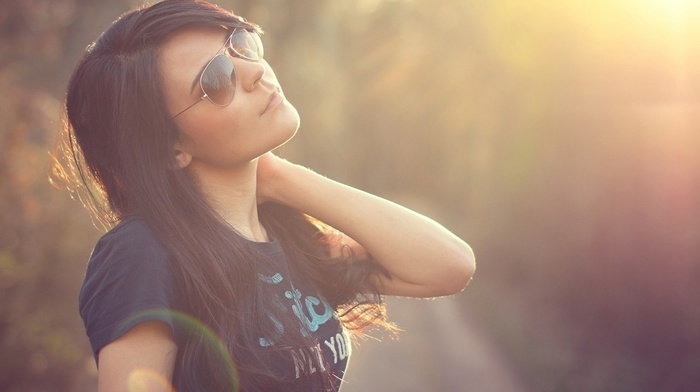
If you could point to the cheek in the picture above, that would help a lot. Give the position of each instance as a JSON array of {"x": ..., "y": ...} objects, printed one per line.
[{"x": 176, "y": 98}]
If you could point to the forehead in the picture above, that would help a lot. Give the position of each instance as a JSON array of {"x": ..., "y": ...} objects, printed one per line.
[{"x": 186, "y": 52}]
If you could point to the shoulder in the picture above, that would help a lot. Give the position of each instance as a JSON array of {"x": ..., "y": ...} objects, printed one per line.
[
  {"x": 130, "y": 249},
  {"x": 129, "y": 246},
  {"x": 128, "y": 260},
  {"x": 131, "y": 235},
  {"x": 129, "y": 275}
]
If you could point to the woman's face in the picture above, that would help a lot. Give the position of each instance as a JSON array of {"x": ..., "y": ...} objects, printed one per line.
[{"x": 258, "y": 119}]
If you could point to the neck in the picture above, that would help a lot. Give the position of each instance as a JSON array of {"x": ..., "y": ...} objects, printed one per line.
[{"x": 232, "y": 194}]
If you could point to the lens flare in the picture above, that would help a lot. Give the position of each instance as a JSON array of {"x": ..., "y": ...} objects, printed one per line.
[
  {"x": 147, "y": 380},
  {"x": 189, "y": 325}
]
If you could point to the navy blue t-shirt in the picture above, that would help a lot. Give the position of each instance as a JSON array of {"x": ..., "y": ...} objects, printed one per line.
[{"x": 129, "y": 280}]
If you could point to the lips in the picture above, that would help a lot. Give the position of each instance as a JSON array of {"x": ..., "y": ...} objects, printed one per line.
[{"x": 275, "y": 99}]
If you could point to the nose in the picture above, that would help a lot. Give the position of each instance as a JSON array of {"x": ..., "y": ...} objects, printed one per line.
[{"x": 249, "y": 73}]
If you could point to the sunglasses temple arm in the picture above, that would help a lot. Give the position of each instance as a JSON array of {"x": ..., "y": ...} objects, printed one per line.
[{"x": 187, "y": 108}]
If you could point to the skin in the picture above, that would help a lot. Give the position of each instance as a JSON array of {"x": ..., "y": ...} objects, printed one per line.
[
  {"x": 219, "y": 145},
  {"x": 229, "y": 151}
]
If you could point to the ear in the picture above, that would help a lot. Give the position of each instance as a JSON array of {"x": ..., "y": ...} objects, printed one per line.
[{"x": 182, "y": 158}]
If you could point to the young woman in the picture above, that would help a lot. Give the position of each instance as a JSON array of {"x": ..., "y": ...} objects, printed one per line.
[{"x": 227, "y": 268}]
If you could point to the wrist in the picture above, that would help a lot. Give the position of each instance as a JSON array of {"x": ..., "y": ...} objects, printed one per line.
[{"x": 285, "y": 182}]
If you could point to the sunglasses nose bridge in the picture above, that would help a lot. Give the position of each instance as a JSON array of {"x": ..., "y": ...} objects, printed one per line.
[{"x": 226, "y": 70}]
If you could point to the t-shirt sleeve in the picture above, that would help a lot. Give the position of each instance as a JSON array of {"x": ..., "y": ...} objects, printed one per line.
[{"x": 128, "y": 281}]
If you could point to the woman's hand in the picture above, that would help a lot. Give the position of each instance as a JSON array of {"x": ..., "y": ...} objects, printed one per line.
[{"x": 270, "y": 169}]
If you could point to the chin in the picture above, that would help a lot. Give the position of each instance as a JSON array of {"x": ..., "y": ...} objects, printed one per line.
[
  {"x": 292, "y": 120},
  {"x": 290, "y": 134},
  {"x": 284, "y": 129}
]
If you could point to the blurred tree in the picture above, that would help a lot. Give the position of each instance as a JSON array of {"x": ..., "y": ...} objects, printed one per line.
[
  {"x": 44, "y": 235},
  {"x": 556, "y": 137}
]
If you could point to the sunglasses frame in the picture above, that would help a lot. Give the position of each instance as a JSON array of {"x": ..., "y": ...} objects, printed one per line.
[{"x": 228, "y": 44}]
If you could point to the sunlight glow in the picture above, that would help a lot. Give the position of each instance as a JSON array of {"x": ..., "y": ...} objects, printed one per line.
[
  {"x": 675, "y": 14},
  {"x": 675, "y": 7},
  {"x": 143, "y": 379},
  {"x": 677, "y": 20},
  {"x": 146, "y": 380}
]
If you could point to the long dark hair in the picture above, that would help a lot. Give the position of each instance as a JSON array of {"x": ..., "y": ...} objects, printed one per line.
[{"x": 118, "y": 151}]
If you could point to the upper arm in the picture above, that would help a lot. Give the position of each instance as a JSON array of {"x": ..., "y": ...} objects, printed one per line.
[
  {"x": 394, "y": 284},
  {"x": 140, "y": 360},
  {"x": 387, "y": 285}
]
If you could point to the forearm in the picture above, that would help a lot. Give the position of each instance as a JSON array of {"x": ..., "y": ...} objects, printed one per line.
[{"x": 422, "y": 257}]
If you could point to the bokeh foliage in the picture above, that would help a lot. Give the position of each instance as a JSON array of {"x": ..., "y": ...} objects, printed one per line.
[{"x": 558, "y": 138}]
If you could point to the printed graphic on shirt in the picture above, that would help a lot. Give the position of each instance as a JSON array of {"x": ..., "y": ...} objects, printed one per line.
[
  {"x": 305, "y": 363},
  {"x": 313, "y": 313}
]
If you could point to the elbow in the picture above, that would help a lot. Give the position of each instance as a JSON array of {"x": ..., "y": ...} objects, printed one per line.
[
  {"x": 459, "y": 269},
  {"x": 440, "y": 274}
]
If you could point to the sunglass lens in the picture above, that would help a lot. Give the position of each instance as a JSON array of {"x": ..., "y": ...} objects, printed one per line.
[
  {"x": 247, "y": 45},
  {"x": 219, "y": 80}
]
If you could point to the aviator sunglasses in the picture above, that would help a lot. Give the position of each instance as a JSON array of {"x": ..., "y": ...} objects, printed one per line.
[{"x": 218, "y": 77}]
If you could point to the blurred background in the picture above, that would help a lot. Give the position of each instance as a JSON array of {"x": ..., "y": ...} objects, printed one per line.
[{"x": 559, "y": 138}]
